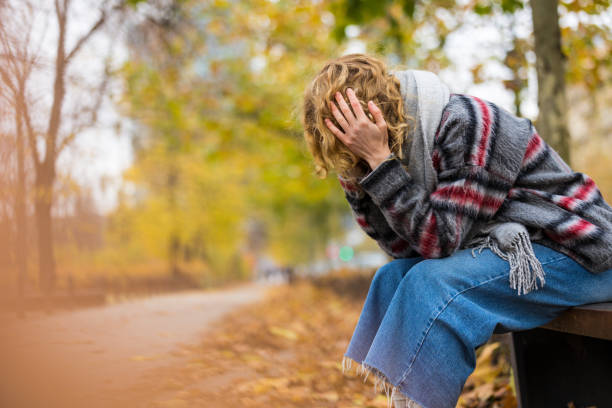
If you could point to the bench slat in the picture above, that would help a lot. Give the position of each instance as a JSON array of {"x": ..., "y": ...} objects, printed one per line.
[{"x": 594, "y": 320}]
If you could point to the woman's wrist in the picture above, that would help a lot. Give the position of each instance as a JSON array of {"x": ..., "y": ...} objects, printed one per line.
[{"x": 375, "y": 162}]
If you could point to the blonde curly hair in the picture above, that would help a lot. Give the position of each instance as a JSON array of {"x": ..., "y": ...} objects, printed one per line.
[{"x": 369, "y": 78}]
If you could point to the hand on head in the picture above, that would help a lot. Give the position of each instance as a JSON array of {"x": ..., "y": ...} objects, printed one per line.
[{"x": 366, "y": 138}]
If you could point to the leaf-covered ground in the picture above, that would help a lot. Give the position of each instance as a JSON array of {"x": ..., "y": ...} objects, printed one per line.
[{"x": 286, "y": 352}]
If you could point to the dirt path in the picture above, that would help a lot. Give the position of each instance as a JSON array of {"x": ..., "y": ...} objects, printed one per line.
[{"x": 90, "y": 357}]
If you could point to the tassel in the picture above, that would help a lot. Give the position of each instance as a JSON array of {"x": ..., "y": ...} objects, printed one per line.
[{"x": 525, "y": 268}]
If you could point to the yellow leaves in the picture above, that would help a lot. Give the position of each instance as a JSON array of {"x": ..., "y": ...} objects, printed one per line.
[
  {"x": 489, "y": 382},
  {"x": 250, "y": 159},
  {"x": 227, "y": 353},
  {"x": 265, "y": 385},
  {"x": 379, "y": 402},
  {"x": 216, "y": 27},
  {"x": 221, "y": 3},
  {"x": 485, "y": 371},
  {"x": 284, "y": 333},
  {"x": 477, "y": 73},
  {"x": 330, "y": 396}
]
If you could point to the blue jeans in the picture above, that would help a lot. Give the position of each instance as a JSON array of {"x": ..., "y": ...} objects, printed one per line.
[{"x": 423, "y": 318}]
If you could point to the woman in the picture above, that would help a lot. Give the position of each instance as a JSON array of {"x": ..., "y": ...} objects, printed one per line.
[{"x": 474, "y": 207}]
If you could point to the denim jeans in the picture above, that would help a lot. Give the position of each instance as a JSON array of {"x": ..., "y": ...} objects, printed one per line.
[{"x": 423, "y": 318}]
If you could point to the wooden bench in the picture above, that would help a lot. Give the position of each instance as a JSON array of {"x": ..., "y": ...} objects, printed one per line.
[{"x": 566, "y": 360}]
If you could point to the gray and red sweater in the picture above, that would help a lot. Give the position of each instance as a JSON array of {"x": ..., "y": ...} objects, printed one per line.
[{"x": 492, "y": 166}]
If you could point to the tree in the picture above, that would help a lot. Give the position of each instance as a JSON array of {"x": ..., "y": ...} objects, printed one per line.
[
  {"x": 47, "y": 127},
  {"x": 14, "y": 75},
  {"x": 551, "y": 66},
  {"x": 227, "y": 133}
]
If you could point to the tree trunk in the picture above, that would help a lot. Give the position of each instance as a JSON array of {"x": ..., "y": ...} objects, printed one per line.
[
  {"x": 174, "y": 242},
  {"x": 174, "y": 245},
  {"x": 45, "y": 170},
  {"x": 44, "y": 227},
  {"x": 550, "y": 65},
  {"x": 20, "y": 209}
]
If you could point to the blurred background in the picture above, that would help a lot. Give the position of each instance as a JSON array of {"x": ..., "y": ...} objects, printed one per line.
[{"x": 151, "y": 146}]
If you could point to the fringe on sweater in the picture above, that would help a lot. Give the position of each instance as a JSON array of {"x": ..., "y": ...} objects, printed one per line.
[{"x": 525, "y": 268}]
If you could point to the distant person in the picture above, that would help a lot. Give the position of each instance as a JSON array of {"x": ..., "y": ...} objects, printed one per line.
[{"x": 474, "y": 207}]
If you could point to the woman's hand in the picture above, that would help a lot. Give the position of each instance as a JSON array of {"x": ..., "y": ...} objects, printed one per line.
[{"x": 366, "y": 139}]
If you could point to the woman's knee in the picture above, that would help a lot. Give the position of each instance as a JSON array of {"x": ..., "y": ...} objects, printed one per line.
[
  {"x": 393, "y": 272},
  {"x": 387, "y": 274},
  {"x": 397, "y": 268}
]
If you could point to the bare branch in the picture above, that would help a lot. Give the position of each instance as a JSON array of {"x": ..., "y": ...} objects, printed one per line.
[
  {"x": 87, "y": 36},
  {"x": 91, "y": 112},
  {"x": 58, "y": 10},
  {"x": 16, "y": 52},
  {"x": 27, "y": 120},
  {"x": 7, "y": 80},
  {"x": 8, "y": 50},
  {"x": 98, "y": 24},
  {"x": 67, "y": 140}
]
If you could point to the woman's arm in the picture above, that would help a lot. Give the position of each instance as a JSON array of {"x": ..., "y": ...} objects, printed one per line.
[
  {"x": 373, "y": 223},
  {"x": 469, "y": 190}
]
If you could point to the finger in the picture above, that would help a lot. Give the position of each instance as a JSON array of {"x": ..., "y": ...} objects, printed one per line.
[
  {"x": 337, "y": 132},
  {"x": 359, "y": 113},
  {"x": 377, "y": 114},
  {"x": 348, "y": 114},
  {"x": 338, "y": 115}
]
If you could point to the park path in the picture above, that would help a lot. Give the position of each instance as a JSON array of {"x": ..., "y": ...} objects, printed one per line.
[{"x": 91, "y": 357}]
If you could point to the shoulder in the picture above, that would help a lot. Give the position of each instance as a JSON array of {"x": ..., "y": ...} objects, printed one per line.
[
  {"x": 484, "y": 133},
  {"x": 454, "y": 133},
  {"x": 477, "y": 111}
]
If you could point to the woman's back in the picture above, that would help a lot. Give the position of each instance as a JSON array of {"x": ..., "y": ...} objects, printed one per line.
[
  {"x": 562, "y": 209},
  {"x": 492, "y": 166}
]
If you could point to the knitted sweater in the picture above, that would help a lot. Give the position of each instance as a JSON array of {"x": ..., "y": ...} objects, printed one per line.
[{"x": 492, "y": 167}]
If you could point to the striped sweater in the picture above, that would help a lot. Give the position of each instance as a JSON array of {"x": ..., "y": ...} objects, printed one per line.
[{"x": 492, "y": 166}]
